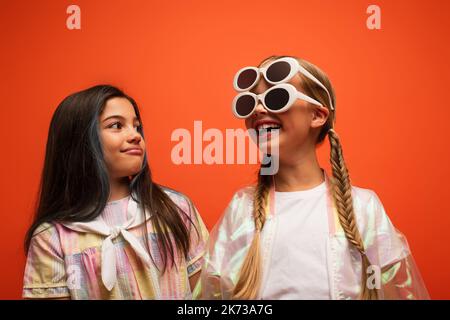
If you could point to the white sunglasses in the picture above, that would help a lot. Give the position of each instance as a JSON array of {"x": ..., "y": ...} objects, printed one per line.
[
  {"x": 276, "y": 99},
  {"x": 278, "y": 71}
]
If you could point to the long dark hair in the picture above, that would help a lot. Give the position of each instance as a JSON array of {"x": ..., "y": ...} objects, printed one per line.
[{"x": 75, "y": 187}]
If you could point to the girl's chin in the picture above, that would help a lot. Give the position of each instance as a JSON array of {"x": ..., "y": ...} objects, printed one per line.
[
  {"x": 270, "y": 147},
  {"x": 128, "y": 172}
]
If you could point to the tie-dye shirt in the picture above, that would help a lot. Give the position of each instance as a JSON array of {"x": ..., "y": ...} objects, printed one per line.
[{"x": 63, "y": 263}]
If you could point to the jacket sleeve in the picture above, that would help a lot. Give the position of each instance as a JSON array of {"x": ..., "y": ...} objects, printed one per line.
[
  {"x": 400, "y": 276},
  {"x": 227, "y": 247}
]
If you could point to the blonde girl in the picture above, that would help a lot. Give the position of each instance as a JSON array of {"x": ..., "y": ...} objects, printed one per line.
[{"x": 299, "y": 233}]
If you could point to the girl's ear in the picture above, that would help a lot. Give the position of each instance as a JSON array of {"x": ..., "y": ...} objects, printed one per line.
[{"x": 319, "y": 116}]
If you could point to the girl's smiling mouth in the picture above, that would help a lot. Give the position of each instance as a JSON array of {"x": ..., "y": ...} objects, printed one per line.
[{"x": 137, "y": 151}]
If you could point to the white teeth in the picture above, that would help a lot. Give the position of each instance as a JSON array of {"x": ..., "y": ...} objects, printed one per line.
[{"x": 268, "y": 126}]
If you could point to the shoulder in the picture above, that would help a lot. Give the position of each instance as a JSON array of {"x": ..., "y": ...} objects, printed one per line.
[
  {"x": 370, "y": 211},
  {"x": 363, "y": 197},
  {"x": 241, "y": 203},
  {"x": 383, "y": 241},
  {"x": 45, "y": 230},
  {"x": 239, "y": 211},
  {"x": 176, "y": 196},
  {"x": 182, "y": 201},
  {"x": 46, "y": 238},
  {"x": 244, "y": 195},
  {"x": 369, "y": 208}
]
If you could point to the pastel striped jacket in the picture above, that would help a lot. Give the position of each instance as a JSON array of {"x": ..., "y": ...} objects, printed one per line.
[{"x": 63, "y": 263}]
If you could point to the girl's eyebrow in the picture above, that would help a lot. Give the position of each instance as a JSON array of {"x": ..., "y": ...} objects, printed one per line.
[{"x": 120, "y": 117}]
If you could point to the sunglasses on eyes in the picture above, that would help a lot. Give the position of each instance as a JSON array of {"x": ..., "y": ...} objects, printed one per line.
[
  {"x": 276, "y": 72},
  {"x": 276, "y": 99}
]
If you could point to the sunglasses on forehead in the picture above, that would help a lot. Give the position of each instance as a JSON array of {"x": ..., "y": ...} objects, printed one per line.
[{"x": 276, "y": 72}]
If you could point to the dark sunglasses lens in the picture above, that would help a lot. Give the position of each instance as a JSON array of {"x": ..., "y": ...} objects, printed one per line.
[
  {"x": 276, "y": 99},
  {"x": 246, "y": 78},
  {"x": 278, "y": 71},
  {"x": 245, "y": 105}
]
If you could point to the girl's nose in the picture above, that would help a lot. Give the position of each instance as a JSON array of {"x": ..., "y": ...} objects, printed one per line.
[
  {"x": 135, "y": 136},
  {"x": 260, "y": 109}
]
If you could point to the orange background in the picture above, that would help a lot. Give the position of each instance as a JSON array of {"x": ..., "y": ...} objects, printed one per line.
[{"x": 178, "y": 58}]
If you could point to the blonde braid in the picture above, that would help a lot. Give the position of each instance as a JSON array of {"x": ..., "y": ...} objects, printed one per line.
[
  {"x": 249, "y": 281},
  {"x": 260, "y": 201},
  {"x": 342, "y": 195}
]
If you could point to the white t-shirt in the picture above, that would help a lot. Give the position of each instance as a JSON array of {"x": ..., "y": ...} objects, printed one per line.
[{"x": 298, "y": 265}]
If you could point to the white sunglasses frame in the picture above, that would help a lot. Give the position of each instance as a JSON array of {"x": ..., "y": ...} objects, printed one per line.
[
  {"x": 295, "y": 68},
  {"x": 294, "y": 94}
]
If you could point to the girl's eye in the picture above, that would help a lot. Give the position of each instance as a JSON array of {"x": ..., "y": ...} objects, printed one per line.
[{"x": 116, "y": 125}]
